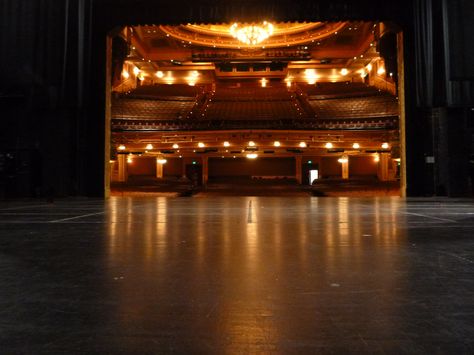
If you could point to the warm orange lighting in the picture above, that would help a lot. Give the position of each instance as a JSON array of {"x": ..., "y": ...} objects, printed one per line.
[
  {"x": 276, "y": 144},
  {"x": 201, "y": 145},
  {"x": 328, "y": 145},
  {"x": 369, "y": 67},
  {"x": 251, "y": 144},
  {"x": 226, "y": 144},
  {"x": 385, "y": 145},
  {"x": 302, "y": 145},
  {"x": 125, "y": 74},
  {"x": 149, "y": 147},
  {"x": 130, "y": 159},
  {"x": 252, "y": 34},
  {"x": 121, "y": 147},
  {"x": 343, "y": 159},
  {"x": 381, "y": 71},
  {"x": 344, "y": 71},
  {"x": 311, "y": 76},
  {"x": 263, "y": 82},
  {"x": 175, "y": 146},
  {"x": 160, "y": 74},
  {"x": 376, "y": 158},
  {"x": 169, "y": 79},
  {"x": 136, "y": 71},
  {"x": 252, "y": 155},
  {"x": 356, "y": 146},
  {"x": 161, "y": 161}
]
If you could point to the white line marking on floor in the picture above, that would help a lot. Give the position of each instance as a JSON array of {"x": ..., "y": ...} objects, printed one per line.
[
  {"x": 21, "y": 207},
  {"x": 430, "y": 217},
  {"x": 76, "y": 217}
]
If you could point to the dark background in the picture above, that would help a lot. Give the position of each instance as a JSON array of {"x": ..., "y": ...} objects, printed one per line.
[{"x": 52, "y": 88}]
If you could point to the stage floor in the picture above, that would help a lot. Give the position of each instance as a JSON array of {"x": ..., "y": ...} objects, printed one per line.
[{"x": 237, "y": 275}]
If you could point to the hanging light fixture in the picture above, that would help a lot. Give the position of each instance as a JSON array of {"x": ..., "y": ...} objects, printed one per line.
[{"x": 252, "y": 34}]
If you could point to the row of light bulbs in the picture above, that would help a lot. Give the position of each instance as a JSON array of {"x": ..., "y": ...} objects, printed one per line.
[
  {"x": 343, "y": 159},
  {"x": 328, "y": 145}
]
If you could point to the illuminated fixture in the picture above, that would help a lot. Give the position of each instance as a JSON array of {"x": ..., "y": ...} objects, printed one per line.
[
  {"x": 311, "y": 76},
  {"x": 251, "y": 144},
  {"x": 169, "y": 78},
  {"x": 121, "y": 147},
  {"x": 343, "y": 159},
  {"x": 192, "y": 77},
  {"x": 175, "y": 146},
  {"x": 251, "y": 34},
  {"x": 136, "y": 71},
  {"x": 288, "y": 83},
  {"x": 369, "y": 67},
  {"x": 252, "y": 155},
  {"x": 376, "y": 158},
  {"x": 141, "y": 77},
  {"x": 160, "y": 74},
  {"x": 226, "y": 144},
  {"x": 363, "y": 73},
  {"x": 356, "y": 146},
  {"x": 385, "y": 145},
  {"x": 125, "y": 74},
  {"x": 328, "y": 145},
  {"x": 344, "y": 71},
  {"x": 302, "y": 145},
  {"x": 276, "y": 144},
  {"x": 130, "y": 159},
  {"x": 161, "y": 161},
  {"x": 201, "y": 145},
  {"x": 263, "y": 82},
  {"x": 381, "y": 71},
  {"x": 149, "y": 147}
]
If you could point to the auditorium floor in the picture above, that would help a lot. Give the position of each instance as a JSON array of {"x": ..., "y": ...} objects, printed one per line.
[{"x": 237, "y": 275}]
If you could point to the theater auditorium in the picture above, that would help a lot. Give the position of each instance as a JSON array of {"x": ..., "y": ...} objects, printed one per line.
[{"x": 236, "y": 176}]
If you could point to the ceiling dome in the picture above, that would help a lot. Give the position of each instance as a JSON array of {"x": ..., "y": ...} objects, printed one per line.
[{"x": 281, "y": 34}]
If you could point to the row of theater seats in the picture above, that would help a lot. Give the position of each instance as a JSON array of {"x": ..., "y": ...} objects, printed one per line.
[
  {"x": 356, "y": 107},
  {"x": 151, "y": 109},
  {"x": 170, "y": 125},
  {"x": 338, "y": 89},
  {"x": 252, "y": 93},
  {"x": 256, "y": 110},
  {"x": 254, "y": 103},
  {"x": 161, "y": 90}
]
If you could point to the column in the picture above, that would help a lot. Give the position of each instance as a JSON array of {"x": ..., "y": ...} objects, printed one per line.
[
  {"x": 298, "y": 170},
  {"x": 382, "y": 170},
  {"x": 205, "y": 170},
  {"x": 345, "y": 168},
  {"x": 159, "y": 170},
  {"x": 183, "y": 169},
  {"x": 122, "y": 167}
]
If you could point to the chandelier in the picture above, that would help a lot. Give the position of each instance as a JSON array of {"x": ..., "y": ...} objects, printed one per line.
[{"x": 251, "y": 34}]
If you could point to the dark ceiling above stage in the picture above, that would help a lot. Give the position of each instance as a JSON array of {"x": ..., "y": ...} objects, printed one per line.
[{"x": 215, "y": 11}]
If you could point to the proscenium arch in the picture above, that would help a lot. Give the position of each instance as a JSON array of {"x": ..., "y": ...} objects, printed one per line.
[{"x": 110, "y": 16}]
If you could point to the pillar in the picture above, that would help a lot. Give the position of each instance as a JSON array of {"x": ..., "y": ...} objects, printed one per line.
[
  {"x": 205, "y": 170},
  {"x": 122, "y": 167},
  {"x": 159, "y": 170},
  {"x": 382, "y": 169},
  {"x": 345, "y": 168},
  {"x": 183, "y": 169},
  {"x": 298, "y": 170},
  {"x": 111, "y": 174}
]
